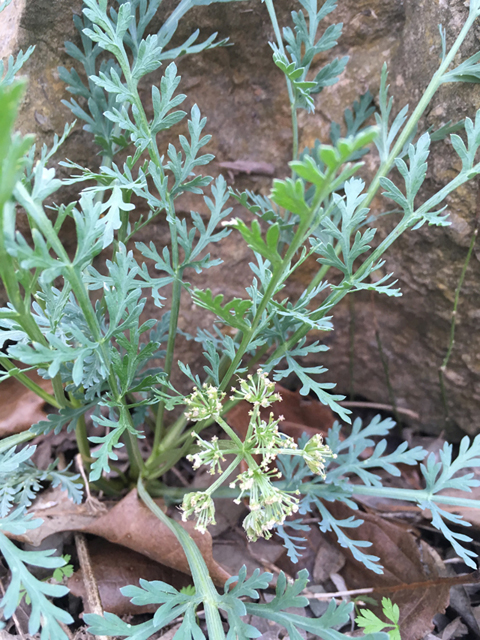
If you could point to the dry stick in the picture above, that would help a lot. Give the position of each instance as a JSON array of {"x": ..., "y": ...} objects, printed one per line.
[
  {"x": 91, "y": 587},
  {"x": 14, "y": 615},
  {"x": 89, "y": 580},
  {"x": 380, "y": 407},
  {"x": 93, "y": 504},
  {"x": 442, "y": 368},
  {"x": 465, "y": 578}
]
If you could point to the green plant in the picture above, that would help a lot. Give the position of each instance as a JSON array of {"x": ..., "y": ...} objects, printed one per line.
[
  {"x": 98, "y": 355},
  {"x": 371, "y": 623}
]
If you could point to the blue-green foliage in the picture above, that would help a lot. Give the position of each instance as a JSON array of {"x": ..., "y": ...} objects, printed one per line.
[
  {"x": 173, "y": 603},
  {"x": 99, "y": 354},
  {"x": 19, "y": 482},
  {"x": 302, "y": 45},
  {"x": 439, "y": 475}
]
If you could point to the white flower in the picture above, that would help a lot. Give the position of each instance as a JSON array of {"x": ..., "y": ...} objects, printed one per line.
[
  {"x": 200, "y": 505},
  {"x": 315, "y": 454},
  {"x": 204, "y": 403}
]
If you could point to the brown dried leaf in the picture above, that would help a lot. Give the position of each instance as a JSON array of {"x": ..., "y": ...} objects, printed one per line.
[
  {"x": 406, "y": 560},
  {"x": 115, "y": 567},
  {"x": 128, "y": 523},
  {"x": 302, "y": 415},
  {"x": 20, "y": 407},
  {"x": 131, "y": 524}
]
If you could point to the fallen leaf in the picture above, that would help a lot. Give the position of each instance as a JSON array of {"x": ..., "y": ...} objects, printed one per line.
[
  {"x": 128, "y": 523},
  {"x": 236, "y": 552},
  {"x": 115, "y": 567},
  {"x": 456, "y": 629},
  {"x": 20, "y": 407},
  {"x": 131, "y": 524},
  {"x": 302, "y": 415},
  {"x": 406, "y": 560},
  {"x": 329, "y": 559}
]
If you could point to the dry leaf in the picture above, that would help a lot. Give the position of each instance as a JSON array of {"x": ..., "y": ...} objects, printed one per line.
[
  {"x": 128, "y": 523},
  {"x": 131, "y": 524},
  {"x": 329, "y": 559},
  {"x": 115, "y": 567},
  {"x": 302, "y": 415},
  {"x": 20, "y": 407},
  {"x": 406, "y": 560}
]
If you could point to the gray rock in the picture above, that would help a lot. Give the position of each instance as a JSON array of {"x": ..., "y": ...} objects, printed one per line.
[{"x": 243, "y": 94}]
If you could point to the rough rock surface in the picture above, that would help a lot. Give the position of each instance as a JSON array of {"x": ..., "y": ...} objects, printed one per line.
[{"x": 244, "y": 97}]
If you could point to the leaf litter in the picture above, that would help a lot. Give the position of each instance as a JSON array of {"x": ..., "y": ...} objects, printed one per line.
[
  {"x": 20, "y": 407},
  {"x": 130, "y": 544}
]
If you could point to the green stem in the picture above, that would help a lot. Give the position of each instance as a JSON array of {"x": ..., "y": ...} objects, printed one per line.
[
  {"x": 291, "y": 96},
  {"x": 172, "y": 334},
  {"x": 277, "y": 278},
  {"x": 412, "y": 495},
  {"x": 177, "y": 284},
  {"x": 83, "y": 443},
  {"x": 204, "y": 586},
  {"x": 230, "y": 432},
  {"x": 425, "y": 100},
  {"x": 81, "y": 293},
  {"x": 27, "y": 382},
  {"x": 221, "y": 479},
  {"x": 407, "y": 131},
  {"x": 409, "y": 495},
  {"x": 339, "y": 293}
]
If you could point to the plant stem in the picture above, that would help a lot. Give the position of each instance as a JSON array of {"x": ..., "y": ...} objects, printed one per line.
[
  {"x": 402, "y": 226},
  {"x": 277, "y": 278},
  {"x": 81, "y": 293},
  {"x": 203, "y": 583},
  {"x": 82, "y": 442},
  {"x": 413, "y": 495},
  {"x": 410, "y": 495},
  {"x": 412, "y": 122},
  {"x": 171, "y": 218},
  {"x": 293, "y": 107},
  {"x": 28, "y": 382},
  {"x": 172, "y": 334},
  {"x": 224, "y": 476},
  {"x": 408, "y": 129}
]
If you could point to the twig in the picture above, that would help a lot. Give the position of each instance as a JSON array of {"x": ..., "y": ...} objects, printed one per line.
[
  {"x": 381, "y": 407},
  {"x": 93, "y": 505},
  {"x": 465, "y": 578},
  {"x": 14, "y": 616},
  {"x": 91, "y": 587}
]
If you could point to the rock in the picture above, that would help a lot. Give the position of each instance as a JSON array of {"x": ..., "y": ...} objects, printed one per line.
[{"x": 243, "y": 94}]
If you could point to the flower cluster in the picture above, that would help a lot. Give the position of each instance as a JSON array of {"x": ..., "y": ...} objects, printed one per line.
[
  {"x": 258, "y": 390},
  {"x": 204, "y": 403},
  {"x": 315, "y": 453},
  {"x": 267, "y": 440},
  {"x": 199, "y": 504},
  {"x": 269, "y": 506},
  {"x": 210, "y": 454}
]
